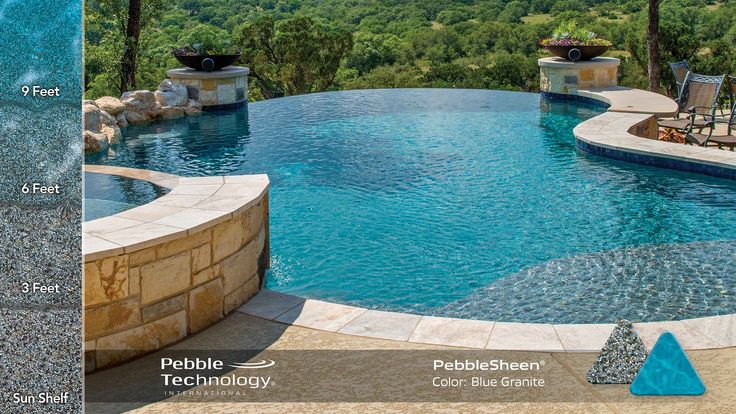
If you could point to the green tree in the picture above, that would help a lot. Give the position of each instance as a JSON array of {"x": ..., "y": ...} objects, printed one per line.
[{"x": 292, "y": 56}]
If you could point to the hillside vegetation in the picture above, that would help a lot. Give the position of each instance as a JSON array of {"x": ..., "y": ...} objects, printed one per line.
[{"x": 301, "y": 46}]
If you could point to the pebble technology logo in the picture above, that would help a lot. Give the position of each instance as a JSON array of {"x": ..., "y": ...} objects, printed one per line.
[{"x": 189, "y": 379}]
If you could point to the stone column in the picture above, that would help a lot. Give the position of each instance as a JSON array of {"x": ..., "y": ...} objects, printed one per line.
[
  {"x": 220, "y": 89},
  {"x": 561, "y": 76}
]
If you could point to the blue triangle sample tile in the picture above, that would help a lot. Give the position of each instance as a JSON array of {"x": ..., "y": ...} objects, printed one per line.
[{"x": 667, "y": 371}]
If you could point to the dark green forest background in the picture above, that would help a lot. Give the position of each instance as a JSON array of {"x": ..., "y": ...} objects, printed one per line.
[{"x": 302, "y": 46}]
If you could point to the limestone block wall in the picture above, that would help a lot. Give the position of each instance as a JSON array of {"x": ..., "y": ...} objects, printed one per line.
[
  {"x": 558, "y": 75},
  {"x": 147, "y": 298}
]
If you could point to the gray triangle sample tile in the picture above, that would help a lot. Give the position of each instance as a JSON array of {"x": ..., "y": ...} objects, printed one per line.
[{"x": 621, "y": 357}]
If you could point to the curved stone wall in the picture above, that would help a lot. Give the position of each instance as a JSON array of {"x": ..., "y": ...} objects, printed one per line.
[{"x": 157, "y": 273}]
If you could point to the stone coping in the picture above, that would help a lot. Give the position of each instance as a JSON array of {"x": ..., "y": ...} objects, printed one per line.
[
  {"x": 611, "y": 131},
  {"x": 558, "y": 62},
  {"x": 621, "y": 99},
  {"x": 189, "y": 73},
  {"x": 701, "y": 333},
  {"x": 194, "y": 203}
]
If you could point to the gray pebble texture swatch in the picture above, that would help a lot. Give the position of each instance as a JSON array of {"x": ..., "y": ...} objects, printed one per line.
[
  {"x": 621, "y": 357},
  {"x": 40, "y": 141}
]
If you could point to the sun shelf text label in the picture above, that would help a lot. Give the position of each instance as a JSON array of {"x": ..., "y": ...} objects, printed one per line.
[
  {"x": 40, "y": 91},
  {"x": 41, "y": 398},
  {"x": 36, "y": 287},
  {"x": 38, "y": 188}
]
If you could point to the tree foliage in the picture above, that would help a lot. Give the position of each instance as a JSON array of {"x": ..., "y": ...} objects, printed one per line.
[
  {"x": 292, "y": 56},
  {"x": 301, "y": 46}
]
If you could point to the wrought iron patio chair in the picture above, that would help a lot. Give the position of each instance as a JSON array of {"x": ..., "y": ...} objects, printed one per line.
[
  {"x": 728, "y": 140},
  {"x": 679, "y": 71},
  {"x": 698, "y": 102}
]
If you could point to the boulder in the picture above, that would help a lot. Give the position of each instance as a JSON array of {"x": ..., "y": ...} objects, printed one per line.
[
  {"x": 107, "y": 119},
  {"x": 140, "y": 106},
  {"x": 135, "y": 117},
  {"x": 112, "y": 133},
  {"x": 111, "y": 105},
  {"x": 92, "y": 118},
  {"x": 95, "y": 141},
  {"x": 138, "y": 100},
  {"x": 171, "y": 112},
  {"x": 171, "y": 94},
  {"x": 121, "y": 121},
  {"x": 191, "y": 111},
  {"x": 89, "y": 102}
]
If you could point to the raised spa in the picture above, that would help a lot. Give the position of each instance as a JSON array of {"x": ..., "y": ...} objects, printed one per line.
[
  {"x": 464, "y": 203},
  {"x": 105, "y": 194}
]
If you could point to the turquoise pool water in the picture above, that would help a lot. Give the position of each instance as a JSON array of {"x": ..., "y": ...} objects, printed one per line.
[
  {"x": 105, "y": 195},
  {"x": 463, "y": 203}
]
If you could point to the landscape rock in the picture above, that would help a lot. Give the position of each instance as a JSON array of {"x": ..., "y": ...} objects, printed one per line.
[
  {"x": 107, "y": 119},
  {"x": 121, "y": 121},
  {"x": 89, "y": 102},
  {"x": 172, "y": 112},
  {"x": 92, "y": 118},
  {"x": 135, "y": 117},
  {"x": 621, "y": 357},
  {"x": 171, "y": 94},
  {"x": 95, "y": 141},
  {"x": 112, "y": 133},
  {"x": 111, "y": 105}
]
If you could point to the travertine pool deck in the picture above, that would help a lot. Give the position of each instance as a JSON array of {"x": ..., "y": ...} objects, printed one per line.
[{"x": 702, "y": 333}]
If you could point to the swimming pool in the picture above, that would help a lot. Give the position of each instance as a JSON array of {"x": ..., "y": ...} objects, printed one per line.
[
  {"x": 464, "y": 203},
  {"x": 105, "y": 194}
]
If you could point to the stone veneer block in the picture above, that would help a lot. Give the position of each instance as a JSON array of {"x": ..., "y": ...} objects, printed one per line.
[
  {"x": 112, "y": 317},
  {"x": 205, "y": 305},
  {"x": 239, "y": 295},
  {"x": 106, "y": 280},
  {"x": 201, "y": 257},
  {"x": 183, "y": 244},
  {"x": 206, "y": 274},
  {"x": 142, "y": 257},
  {"x": 226, "y": 94},
  {"x": 134, "y": 276},
  {"x": 227, "y": 238},
  {"x": 165, "y": 278},
  {"x": 164, "y": 308},
  {"x": 124, "y": 345},
  {"x": 237, "y": 268}
]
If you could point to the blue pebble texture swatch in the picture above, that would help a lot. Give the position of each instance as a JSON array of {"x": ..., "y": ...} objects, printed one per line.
[{"x": 667, "y": 371}]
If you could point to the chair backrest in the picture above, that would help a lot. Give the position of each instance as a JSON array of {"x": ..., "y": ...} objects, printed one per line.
[
  {"x": 732, "y": 118},
  {"x": 679, "y": 71},
  {"x": 701, "y": 92}
]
